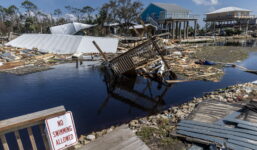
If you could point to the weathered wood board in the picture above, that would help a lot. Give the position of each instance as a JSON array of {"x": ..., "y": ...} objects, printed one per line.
[{"x": 122, "y": 138}]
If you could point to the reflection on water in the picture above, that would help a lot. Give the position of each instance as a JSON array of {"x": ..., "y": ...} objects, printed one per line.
[
  {"x": 124, "y": 91},
  {"x": 97, "y": 104}
]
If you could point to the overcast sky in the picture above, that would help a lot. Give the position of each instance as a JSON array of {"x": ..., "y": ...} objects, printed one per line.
[{"x": 196, "y": 6}]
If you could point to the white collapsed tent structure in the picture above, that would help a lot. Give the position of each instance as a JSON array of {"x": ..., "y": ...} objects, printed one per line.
[
  {"x": 70, "y": 28},
  {"x": 64, "y": 44}
]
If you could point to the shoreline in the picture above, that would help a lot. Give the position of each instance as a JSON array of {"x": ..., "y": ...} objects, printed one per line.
[{"x": 159, "y": 126}]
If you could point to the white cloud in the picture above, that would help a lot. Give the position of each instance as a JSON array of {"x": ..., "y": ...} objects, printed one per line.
[{"x": 206, "y": 2}]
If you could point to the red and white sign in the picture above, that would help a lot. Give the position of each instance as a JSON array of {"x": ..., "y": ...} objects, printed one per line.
[{"x": 61, "y": 131}]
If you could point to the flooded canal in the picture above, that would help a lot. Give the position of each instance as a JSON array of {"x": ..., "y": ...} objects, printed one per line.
[{"x": 97, "y": 105}]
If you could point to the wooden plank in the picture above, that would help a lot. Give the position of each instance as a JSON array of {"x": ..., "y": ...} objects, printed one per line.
[
  {"x": 32, "y": 139},
  {"x": 43, "y": 134},
  {"x": 177, "y": 81},
  {"x": 18, "y": 139},
  {"x": 211, "y": 111},
  {"x": 29, "y": 119},
  {"x": 10, "y": 65},
  {"x": 121, "y": 138},
  {"x": 100, "y": 50},
  {"x": 4, "y": 142}
]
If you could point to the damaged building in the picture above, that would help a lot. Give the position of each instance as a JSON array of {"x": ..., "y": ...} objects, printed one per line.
[{"x": 170, "y": 18}]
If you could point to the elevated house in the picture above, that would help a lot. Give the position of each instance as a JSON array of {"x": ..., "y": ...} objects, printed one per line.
[
  {"x": 169, "y": 17},
  {"x": 231, "y": 17}
]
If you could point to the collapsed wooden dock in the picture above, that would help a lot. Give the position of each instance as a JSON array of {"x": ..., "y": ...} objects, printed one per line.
[{"x": 121, "y": 138}]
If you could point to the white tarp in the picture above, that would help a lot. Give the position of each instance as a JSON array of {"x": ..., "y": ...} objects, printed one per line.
[
  {"x": 64, "y": 44},
  {"x": 69, "y": 28}
]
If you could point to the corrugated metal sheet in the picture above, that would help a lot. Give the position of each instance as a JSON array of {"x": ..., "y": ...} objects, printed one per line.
[
  {"x": 69, "y": 28},
  {"x": 64, "y": 44},
  {"x": 228, "y": 9}
]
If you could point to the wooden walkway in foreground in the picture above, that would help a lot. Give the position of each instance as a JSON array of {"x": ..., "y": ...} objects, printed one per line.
[{"x": 122, "y": 138}]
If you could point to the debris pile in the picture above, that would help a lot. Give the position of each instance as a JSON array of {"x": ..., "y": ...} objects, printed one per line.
[
  {"x": 23, "y": 61},
  {"x": 223, "y": 125},
  {"x": 181, "y": 60}
]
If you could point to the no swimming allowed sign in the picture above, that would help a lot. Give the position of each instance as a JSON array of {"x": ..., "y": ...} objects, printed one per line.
[{"x": 61, "y": 131}]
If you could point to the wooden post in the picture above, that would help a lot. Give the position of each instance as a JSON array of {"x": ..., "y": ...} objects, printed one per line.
[
  {"x": 43, "y": 134},
  {"x": 18, "y": 139},
  {"x": 214, "y": 28},
  {"x": 184, "y": 36},
  {"x": 206, "y": 27},
  {"x": 101, "y": 52},
  {"x": 187, "y": 28},
  {"x": 219, "y": 28},
  {"x": 176, "y": 30},
  {"x": 169, "y": 29},
  {"x": 4, "y": 142},
  {"x": 195, "y": 28},
  {"x": 240, "y": 26},
  {"x": 247, "y": 26},
  {"x": 179, "y": 30},
  {"x": 173, "y": 30},
  {"x": 32, "y": 139}
]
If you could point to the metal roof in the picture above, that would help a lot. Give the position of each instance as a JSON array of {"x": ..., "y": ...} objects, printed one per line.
[
  {"x": 70, "y": 28},
  {"x": 228, "y": 9},
  {"x": 64, "y": 44},
  {"x": 171, "y": 7}
]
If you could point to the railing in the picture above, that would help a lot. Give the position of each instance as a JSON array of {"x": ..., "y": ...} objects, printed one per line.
[
  {"x": 155, "y": 23},
  {"x": 133, "y": 58},
  {"x": 28, "y": 121},
  {"x": 229, "y": 17},
  {"x": 177, "y": 15},
  {"x": 152, "y": 21}
]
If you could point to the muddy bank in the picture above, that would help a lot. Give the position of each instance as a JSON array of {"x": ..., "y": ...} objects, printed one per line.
[{"x": 225, "y": 54}]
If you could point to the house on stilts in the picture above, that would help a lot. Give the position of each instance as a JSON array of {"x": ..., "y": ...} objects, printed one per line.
[
  {"x": 170, "y": 18},
  {"x": 231, "y": 17}
]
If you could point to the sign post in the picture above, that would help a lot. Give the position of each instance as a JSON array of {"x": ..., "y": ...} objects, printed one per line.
[{"x": 61, "y": 131}]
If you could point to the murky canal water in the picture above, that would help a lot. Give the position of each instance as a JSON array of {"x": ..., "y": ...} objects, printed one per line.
[{"x": 84, "y": 92}]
